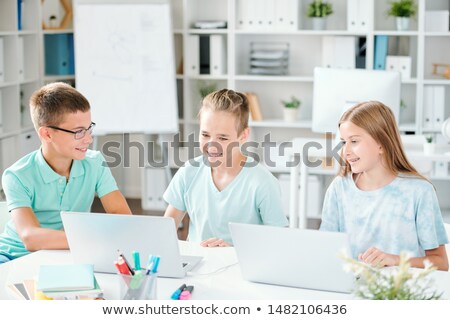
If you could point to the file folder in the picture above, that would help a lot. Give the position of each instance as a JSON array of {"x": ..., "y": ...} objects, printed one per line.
[
  {"x": 59, "y": 54},
  {"x": 381, "y": 48}
]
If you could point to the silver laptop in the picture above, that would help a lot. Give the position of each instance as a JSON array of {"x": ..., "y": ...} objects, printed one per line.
[
  {"x": 292, "y": 257},
  {"x": 95, "y": 238}
]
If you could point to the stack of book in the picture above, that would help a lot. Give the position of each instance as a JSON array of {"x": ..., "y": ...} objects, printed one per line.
[
  {"x": 269, "y": 58},
  {"x": 65, "y": 282}
]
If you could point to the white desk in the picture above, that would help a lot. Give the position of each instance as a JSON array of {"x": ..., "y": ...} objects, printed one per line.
[{"x": 227, "y": 284}]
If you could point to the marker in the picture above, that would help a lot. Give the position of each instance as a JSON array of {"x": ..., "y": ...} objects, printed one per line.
[
  {"x": 155, "y": 264},
  {"x": 176, "y": 294},
  {"x": 121, "y": 266},
  {"x": 186, "y": 294},
  {"x": 137, "y": 260},
  {"x": 126, "y": 262}
]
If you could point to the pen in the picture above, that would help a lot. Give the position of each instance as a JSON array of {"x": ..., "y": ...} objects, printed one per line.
[
  {"x": 176, "y": 294},
  {"x": 137, "y": 260},
  {"x": 186, "y": 294},
  {"x": 121, "y": 266},
  {"x": 156, "y": 264},
  {"x": 126, "y": 262}
]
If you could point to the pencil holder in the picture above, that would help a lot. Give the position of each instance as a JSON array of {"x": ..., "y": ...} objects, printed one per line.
[{"x": 138, "y": 287}]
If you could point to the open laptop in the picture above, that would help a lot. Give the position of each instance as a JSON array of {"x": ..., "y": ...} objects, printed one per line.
[
  {"x": 95, "y": 238},
  {"x": 292, "y": 257}
]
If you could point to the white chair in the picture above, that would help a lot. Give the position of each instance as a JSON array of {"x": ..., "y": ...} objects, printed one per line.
[{"x": 4, "y": 215}]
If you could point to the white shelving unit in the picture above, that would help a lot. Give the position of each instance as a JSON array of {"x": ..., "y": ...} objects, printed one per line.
[{"x": 23, "y": 61}]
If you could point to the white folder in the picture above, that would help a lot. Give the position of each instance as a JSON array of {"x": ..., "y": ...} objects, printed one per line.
[
  {"x": 21, "y": 58},
  {"x": 242, "y": 14},
  {"x": 2, "y": 60},
  {"x": 287, "y": 15},
  {"x": 193, "y": 55},
  {"x": 338, "y": 52},
  {"x": 428, "y": 107},
  {"x": 217, "y": 55},
  {"x": 438, "y": 107}
]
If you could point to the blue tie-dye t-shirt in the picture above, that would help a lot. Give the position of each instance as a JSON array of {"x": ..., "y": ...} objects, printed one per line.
[{"x": 402, "y": 216}]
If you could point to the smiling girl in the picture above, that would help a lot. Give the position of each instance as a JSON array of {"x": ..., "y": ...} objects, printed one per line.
[
  {"x": 379, "y": 198},
  {"x": 223, "y": 185}
]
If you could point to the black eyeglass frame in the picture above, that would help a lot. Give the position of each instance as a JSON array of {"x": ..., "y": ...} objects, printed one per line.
[{"x": 78, "y": 132}]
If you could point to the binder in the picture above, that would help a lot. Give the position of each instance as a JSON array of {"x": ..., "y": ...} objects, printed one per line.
[
  {"x": 204, "y": 50},
  {"x": 253, "y": 104},
  {"x": 286, "y": 15},
  {"x": 338, "y": 52},
  {"x": 193, "y": 55},
  {"x": 1, "y": 113},
  {"x": 401, "y": 64},
  {"x": 428, "y": 107},
  {"x": 352, "y": 15},
  {"x": 381, "y": 47},
  {"x": 59, "y": 54},
  {"x": 21, "y": 58},
  {"x": 242, "y": 14},
  {"x": 2, "y": 60},
  {"x": 218, "y": 56},
  {"x": 20, "y": 4},
  {"x": 438, "y": 106},
  {"x": 153, "y": 192},
  {"x": 359, "y": 15}
]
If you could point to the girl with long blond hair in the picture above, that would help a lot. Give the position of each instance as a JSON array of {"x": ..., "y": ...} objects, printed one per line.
[{"x": 379, "y": 198}]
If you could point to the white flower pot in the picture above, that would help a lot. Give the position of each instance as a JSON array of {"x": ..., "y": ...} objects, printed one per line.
[
  {"x": 319, "y": 23},
  {"x": 290, "y": 114},
  {"x": 402, "y": 23},
  {"x": 429, "y": 148}
]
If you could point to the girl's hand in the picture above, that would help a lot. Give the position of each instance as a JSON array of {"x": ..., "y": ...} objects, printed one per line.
[
  {"x": 376, "y": 257},
  {"x": 214, "y": 242}
]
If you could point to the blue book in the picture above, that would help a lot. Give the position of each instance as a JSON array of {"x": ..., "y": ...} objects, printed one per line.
[
  {"x": 68, "y": 277},
  {"x": 19, "y": 14},
  {"x": 59, "y": 54},
  {"x": 381, "y": 48}
]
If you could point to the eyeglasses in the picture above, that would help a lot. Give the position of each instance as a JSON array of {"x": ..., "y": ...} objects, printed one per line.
[{"x": 79, "y": 134}]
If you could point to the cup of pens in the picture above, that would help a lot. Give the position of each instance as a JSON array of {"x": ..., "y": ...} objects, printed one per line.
[{"x": 137, "y": 283}]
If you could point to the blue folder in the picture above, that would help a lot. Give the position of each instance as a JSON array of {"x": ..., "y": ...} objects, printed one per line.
[
  {"x": 381, "y": 48},
  {"x": 59, "y": 54}
]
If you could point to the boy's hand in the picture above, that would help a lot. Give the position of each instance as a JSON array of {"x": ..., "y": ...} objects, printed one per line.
[
  {"x": 214, "y": 242},
  {"x": 376, "y": 257}
]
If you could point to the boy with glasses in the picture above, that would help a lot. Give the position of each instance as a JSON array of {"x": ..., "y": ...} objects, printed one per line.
[{"x": 63, "y": 175}]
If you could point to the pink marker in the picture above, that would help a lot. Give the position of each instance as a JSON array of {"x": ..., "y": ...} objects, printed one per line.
[{"x": 186, "y": 294}]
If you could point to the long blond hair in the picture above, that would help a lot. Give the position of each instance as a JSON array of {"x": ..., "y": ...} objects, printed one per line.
[{"x": 379, "y": 121}]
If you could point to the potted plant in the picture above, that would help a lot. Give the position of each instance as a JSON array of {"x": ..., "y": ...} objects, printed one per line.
[
  {"x": 291, "y": 109},
  {"x": 52, "y": 21},
  {"x": 429, "y": 146},
  {"x": 318, "y": 10},
  {"x": 403, "y": 10}
]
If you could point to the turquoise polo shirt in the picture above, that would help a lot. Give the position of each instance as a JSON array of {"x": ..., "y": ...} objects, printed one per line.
[{"x": 32, "y": 183}]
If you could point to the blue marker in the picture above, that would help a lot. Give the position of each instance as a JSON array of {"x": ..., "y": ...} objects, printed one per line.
[
  {"x": 137, "y": 260},
  {"x": 177, "y": 293},
  {"x": 155, "y": 264}
]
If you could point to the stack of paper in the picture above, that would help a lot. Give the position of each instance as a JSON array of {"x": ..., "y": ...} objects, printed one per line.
[{"x": 269, "y": 58}]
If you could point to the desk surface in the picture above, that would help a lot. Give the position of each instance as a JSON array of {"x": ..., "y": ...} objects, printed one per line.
[{"x": 226, "y": 283}]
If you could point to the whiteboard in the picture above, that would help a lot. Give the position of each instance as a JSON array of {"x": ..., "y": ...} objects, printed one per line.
[{"x": 124, "y": 65}]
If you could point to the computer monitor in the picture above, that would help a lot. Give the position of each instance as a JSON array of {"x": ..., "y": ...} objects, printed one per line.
[{"x": 336, "y": 90}]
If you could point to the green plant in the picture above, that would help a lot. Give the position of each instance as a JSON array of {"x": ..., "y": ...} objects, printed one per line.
[
  {"x": 294, "y": 103},
  {"x": 320, "y": 9},
  {"x": 206, "y": 88},
  {"x": 394, "y": 283},
  {"x": 403, "y": 8},
  {"x": 429, "y": 139}
]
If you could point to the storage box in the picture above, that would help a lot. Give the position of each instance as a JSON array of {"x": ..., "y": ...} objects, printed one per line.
[{"x": 437, "y": 21}]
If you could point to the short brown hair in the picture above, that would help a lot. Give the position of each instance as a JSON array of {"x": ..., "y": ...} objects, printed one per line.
[
  {"x": 49, "y": 104},
  {"x": 230, "y": 101}
]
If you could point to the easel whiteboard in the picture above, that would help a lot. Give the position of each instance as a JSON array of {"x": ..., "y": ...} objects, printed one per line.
[{"x": 124, "y": 64}]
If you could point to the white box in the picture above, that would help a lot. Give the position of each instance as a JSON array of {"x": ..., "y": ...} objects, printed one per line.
[{"x": 437, "y": 21}]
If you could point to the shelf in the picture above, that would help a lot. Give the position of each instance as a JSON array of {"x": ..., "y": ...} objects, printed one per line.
[
  {"x": 437, "y": 34},
  {"x": 279, "y": 123},
  {"x": 59, "y": 78},
  {"x": 208, "y": 31},
  {"x": 27, "y": 81},
  {"x": 4, "y": 135},
  {"x": 409, "y": 81},
  {"x": 208, "y": 77},
  {"x": 178, "y": 31},
  {"x": 179, "y": 77},
  {"x": 27, "y": 32},
  {"x": 437, "y": 81},
  {"x": 57, "y": 31},
  {"x": 396, "y": 33},
  {"x": 301, "y": 32},
  {"x": 8, "y": 33},
  {"x": 7, "y": 84},
  {"x": 274, "y": 78},
  {"x": 407, "y": 127}
]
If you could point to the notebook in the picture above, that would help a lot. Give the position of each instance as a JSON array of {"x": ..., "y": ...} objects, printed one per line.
[
  {"x": 95, "y": 238},
  {"x": 65, "y": 277},
  {"x": 292, "y": 257}
]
